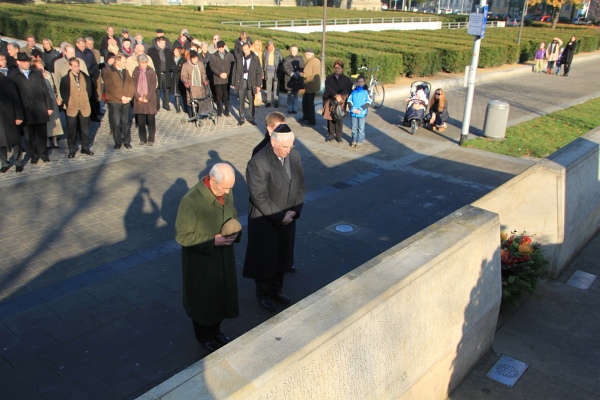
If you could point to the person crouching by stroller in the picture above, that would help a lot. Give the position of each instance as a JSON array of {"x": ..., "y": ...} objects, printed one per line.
[
  {"x": 438, "y": 111},
  {"x": 540, "y": 55},
  {"x": 359, "y": 102}
]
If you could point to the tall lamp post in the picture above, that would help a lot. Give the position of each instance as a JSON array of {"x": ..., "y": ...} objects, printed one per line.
[{"x": 323, "y": 44}]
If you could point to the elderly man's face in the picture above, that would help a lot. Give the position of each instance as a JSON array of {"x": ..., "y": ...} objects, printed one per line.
[
  {"x": 31, "y": 42},
  {"x": 80, "y": 45},
  {"x": 294, "y": 51},
  {"x": 110, "y": 31},
  {"x": 24, "y": 65},
  {"x": 139, "y": 38},
  {"x": 204, "y": 48},
  {"x": 139, "y": 49},
  {"x": 89, "y": 44},
  {"x": 69, "y": 52},
  {"x": 284, "y": 146},
  {"x": 223, "y": 187}
]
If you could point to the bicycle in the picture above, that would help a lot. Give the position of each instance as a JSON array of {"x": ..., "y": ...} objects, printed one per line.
[{"x": 376, "y": 89}]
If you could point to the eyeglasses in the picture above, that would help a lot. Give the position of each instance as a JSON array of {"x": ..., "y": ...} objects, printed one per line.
[{"x": 438, "y": 94}]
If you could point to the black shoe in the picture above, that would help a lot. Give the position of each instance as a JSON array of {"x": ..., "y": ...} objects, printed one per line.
[
  {"x": 252, "y": 122},
  {"x": 276, "y": 105},
  {"x": 267, "y": 304},
  {"x": 87, "y": 151},
  {"x": 19, "y": 168},
  {"x": 55, "y": 146},
  {"x": 294, "y": 112},
  {"x": 127, "y": 145},
  {"x": 302, "y": 119},
  {"x": 96, "y": 119},
  {"x": 291, "y": 269},
  {"x": 4, "y": 169},
  {"x": 338, "y": 140},
  {"x": 222, "y": 338},
  {"x": 167, "y": 108},
  {"x": 45, "y": 159},
  {"x": 118, "y": 146},
  {"x": 240, "y": 122},
  {"x": 34, "y": 160},
  {"x": 72, "y": 154},
  {"x": 282, "y": 298},
  {"x": 267, "y": 105},
  {"x": 211, "y": 346},
  {"x": 329, "y": 139}
]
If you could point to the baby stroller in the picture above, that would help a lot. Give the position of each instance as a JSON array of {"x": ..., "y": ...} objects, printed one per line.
[
  {"x": 202, "y": 109},
  {"x": 416, "y": 106}
]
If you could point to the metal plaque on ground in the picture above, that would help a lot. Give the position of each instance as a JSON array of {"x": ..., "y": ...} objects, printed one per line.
[
  {"x": 581, "y": 280},
  {"x": 507, "y": 371}
]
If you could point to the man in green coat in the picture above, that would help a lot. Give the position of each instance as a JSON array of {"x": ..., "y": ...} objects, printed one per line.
[{"x": 208, "y": 260}]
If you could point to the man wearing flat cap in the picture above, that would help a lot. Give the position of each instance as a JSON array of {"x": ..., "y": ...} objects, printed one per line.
[
  {"x": 275, "y": 180},
  {"x": 161, "y": 33},
  {"x": 221, "y": 64},
  {"x": 207, "y": 227},
  {"x": 36, "y": 104}
]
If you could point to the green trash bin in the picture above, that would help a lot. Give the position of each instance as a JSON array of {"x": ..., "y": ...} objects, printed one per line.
[{"x": 496, "y": 119}]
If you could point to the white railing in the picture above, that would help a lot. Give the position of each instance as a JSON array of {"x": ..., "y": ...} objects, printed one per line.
[{"x": 338, "y": 21}]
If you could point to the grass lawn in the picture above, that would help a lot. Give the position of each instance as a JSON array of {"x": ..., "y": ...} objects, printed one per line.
[{"x": 542, "y": 136}]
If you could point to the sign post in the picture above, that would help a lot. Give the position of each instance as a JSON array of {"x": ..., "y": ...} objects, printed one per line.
[{"x": 476, "y": 27}]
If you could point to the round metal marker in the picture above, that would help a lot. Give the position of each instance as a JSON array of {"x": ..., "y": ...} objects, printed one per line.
[{"x": 344, "y": 228}]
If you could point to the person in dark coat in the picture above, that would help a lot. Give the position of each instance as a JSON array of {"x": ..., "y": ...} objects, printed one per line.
[
  {"x": 337, "y": 90},
  {"x": 110, "y": 34},
  {"x": 36, "y": 104},
  {"x": 247, "y": 81},
  {"x": 293, "y": 66},
  {"x": 239, "y": 42},
  {"x": 179, "y": 91},
  {"x": 76, "y": 89},
  {"x": 161, "y": 33},
  {"x": 210, "y": 291},
  {"x": 144, "y": 100},
  {"x": 221, "y": 64},
  {"x": 11, "y": 116},
  {"x": 49, "y": 54},
  {"x": 568, "y": 53},
  {"x": 163, "y": 60},
  {"x": 275, "y": 180}
]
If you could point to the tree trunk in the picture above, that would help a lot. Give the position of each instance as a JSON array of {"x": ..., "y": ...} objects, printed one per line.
[{"x": 555, "y": 12}]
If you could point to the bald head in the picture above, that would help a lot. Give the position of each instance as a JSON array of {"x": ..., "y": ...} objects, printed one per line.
[
  {"x": 222, "y": 179},
  {"x": 139, "y": 49}
]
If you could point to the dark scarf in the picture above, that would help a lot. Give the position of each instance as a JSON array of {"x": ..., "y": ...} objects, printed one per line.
[{"x": 246, "y": 58}]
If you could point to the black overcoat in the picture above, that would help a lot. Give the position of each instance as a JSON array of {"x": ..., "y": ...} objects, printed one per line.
[
  {"x": 34, "y": 95},
  {"x": 254, "y": 74},
  {"x": 293, "y": 65},
  {"x": 272, "y": 194},
  {"x": 10, "y": 110},
  {"x": 568, "y": 53},
  {"x": 153, "y": 53}
]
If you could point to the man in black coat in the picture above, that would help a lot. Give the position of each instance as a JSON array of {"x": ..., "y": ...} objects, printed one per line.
[
  {"x": 161, "y": 33},
  {"x": 110, "y": 34},
  {"x": 239, "y": 43},
  {"x": 221, "y": 64},
  {"x": 247, "y": 81},
  {"x": 275, "y": 180},
  {"x": 163, "y": 60},
  {"x": 37, "y": 106},
  {"x": 293, "y": 66},
  {"x": 11, "y": 115}
]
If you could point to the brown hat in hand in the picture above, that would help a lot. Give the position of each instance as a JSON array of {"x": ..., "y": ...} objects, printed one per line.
[{"x": 231, "y": 227}]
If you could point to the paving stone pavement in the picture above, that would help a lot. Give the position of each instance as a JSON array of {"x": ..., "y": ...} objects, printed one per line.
[{"x": 90, "y": 291}]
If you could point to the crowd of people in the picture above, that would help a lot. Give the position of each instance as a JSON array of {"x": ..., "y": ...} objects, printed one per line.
[{"x": 556, "y": 56}]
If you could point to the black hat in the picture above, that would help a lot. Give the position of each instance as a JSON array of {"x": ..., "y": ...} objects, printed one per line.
[
  {"x": 309, "y": 51},
  {"x": 21, "y": 56},
  {"x": 36, "y": 53},
  {"x": 177, "y": 45},
  {"x": 160, "y": 31},
  {"x": 193, "y": 53},
  {"x": 220, "y": 43},
  {"x": 282, "y": 128}
]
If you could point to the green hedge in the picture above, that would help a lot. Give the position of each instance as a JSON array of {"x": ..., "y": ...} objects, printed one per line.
[{"x": 397, "y": 53}]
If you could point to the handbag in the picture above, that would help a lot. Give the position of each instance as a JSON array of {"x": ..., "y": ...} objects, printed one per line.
[{"x": 338, "y": 112}]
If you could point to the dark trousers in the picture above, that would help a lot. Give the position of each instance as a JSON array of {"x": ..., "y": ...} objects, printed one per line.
[
  {"x": 245, "y": 92},
  {"x": 17, "y": 155},
  {"x": 335, "y": 128},
  {"x": 72, "y": 124},
  {"x": 266, "y": 288},
  {"x": 162, "y": 85},
  {"x": 94, "y": 103},
  {"x": 205, "y": 333},
  {"x": 143, "y": 121},
  {"x": 119, "y": 115},
  {"x": 222, "y": 99},
  {"x": 566, "y": 67},
  {"x": 308, "y": 107},
  {"x": 35, "y": 135}
]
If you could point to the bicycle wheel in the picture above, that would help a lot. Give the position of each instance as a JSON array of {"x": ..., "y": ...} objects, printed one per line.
[{"x": 378, "y": 95}]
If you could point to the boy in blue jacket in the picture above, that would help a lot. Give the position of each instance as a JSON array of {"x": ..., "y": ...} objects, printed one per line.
[{"x": 359, "y": 102}]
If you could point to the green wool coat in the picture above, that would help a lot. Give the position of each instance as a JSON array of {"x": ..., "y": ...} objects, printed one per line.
[{"x": 209, "y": 276}]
